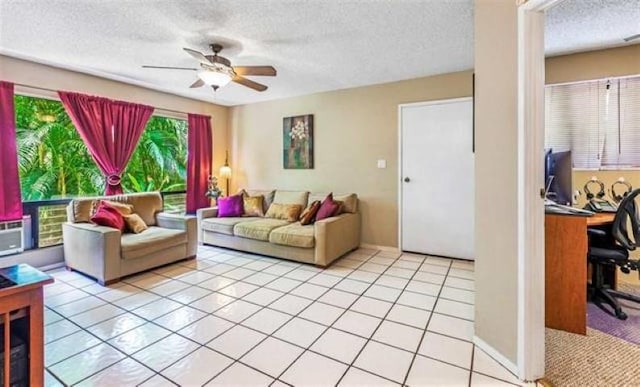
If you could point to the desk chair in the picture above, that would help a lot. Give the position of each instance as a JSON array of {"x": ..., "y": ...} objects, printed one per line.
[{"x": 615, "y": 253}]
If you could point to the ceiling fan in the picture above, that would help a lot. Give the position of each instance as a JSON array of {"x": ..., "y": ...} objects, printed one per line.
[{"x": 216, "y": 71}]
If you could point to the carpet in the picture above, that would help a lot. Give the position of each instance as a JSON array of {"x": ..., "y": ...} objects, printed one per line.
[
  {"x": 628, "y": 329},
  {"x": 596, "y": 359}
]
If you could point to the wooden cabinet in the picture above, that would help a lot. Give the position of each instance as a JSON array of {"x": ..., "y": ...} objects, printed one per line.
[{"x": 22, "y": 316}]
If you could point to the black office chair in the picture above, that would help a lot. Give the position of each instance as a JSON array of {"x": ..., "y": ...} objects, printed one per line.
[{"x": 615, "y": 254}]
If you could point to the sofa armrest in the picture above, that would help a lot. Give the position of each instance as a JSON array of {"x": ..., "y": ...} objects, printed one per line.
[
  {"x": 181, "y": 222},
  {"x": 92, "y": 249},
  {"x": 203, "y": 213},
  {"x": 336, "y": 236},
  {"x": 208, "y": 212}
]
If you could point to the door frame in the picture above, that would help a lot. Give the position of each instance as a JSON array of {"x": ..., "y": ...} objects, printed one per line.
[
  {"x": 400, "y": 175},
  {"x": 531, "y": 244}
]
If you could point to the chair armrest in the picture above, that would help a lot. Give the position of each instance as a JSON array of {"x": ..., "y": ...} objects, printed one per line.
[
  {"x": 595, "y": 232},
  {"x": 209, "y": 212},
  {"x": 336, "y": 236},
  {"x": 92, "y": 249},
  {"x": 174, "y": 221},
  {"x": 181, "y": 222}
]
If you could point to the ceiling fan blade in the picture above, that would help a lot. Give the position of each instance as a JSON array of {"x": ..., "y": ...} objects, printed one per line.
[
  {"x": 197, "y": 83},
  {"x": 169, "y": 68},
  {"x": 249, "y": 83},
  {"x": 267, "y": 71},
  {"x": 197, "y": 55}
]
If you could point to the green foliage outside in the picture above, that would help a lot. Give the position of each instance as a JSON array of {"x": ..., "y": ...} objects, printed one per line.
[{"x": 55, "y": 163}]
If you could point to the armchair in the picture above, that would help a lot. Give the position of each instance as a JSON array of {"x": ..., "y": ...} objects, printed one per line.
[{"x": 106, "y": 254}]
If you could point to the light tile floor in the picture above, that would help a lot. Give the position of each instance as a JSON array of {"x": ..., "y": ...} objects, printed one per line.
[{"x": 374, "y": 318}]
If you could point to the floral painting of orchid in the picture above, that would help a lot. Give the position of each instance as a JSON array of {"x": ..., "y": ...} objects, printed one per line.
[{"x": 298, "y": 142}]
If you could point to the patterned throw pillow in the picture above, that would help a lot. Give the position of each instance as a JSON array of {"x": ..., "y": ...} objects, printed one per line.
[
  {"x": 135, "y": 223},
  {"x": 309, "y": 214},
  {"x": 253, "y": 205},
  {"x": 288, "y": 212}
]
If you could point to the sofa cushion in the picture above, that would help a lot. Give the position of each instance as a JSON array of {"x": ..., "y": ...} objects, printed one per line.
[
  {"x": 221, "y": 225},
  {"x": 295, "y": 235},
  {"x": 257, "y": 229},
  {"x": 152, "y": 240},
  {"x": 349, "y": 201},
  {"x": 291, "y": 197},
  {"x": 253, "y": 205}
]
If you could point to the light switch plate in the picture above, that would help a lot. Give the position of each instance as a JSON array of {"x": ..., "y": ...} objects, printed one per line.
[{"x": 382, "y": 164}]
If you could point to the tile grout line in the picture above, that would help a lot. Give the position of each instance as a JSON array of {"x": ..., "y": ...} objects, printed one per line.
[{"x": 253, "y": 259}]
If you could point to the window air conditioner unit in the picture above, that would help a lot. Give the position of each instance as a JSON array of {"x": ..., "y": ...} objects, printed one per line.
[{"x": 11, "y": 238}]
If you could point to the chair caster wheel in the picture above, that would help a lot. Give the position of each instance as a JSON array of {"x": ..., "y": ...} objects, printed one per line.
[{"x": 621, "y": 315}]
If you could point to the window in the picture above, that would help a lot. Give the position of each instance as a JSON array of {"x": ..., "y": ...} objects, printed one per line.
[
  {"x": 54, "y": 163},
  {"x": 598, "y": 121},
  {"x": 52, "y": 159}
]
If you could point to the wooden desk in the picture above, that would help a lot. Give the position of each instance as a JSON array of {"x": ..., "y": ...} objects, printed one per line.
[
  {"x": 566, "y": 245},
  {"x": 24, "y": 301}
]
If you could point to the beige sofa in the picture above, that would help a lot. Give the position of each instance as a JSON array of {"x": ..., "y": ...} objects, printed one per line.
[
  {"x": 106, "y": 254},
  {"x": 319, "y": 243}
]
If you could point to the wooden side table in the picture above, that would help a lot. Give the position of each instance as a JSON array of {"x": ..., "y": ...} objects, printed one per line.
[{"x": 22, "y": 311}]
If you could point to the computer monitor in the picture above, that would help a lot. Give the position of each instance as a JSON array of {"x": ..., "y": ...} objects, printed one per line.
[{"x": 558, "y": 169}]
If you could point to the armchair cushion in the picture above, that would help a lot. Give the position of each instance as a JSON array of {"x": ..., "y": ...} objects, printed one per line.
[{"x": 152, "y": 240}]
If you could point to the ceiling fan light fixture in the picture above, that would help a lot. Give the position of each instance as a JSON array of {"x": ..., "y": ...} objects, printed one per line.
[{"x": 214, "y": 78}]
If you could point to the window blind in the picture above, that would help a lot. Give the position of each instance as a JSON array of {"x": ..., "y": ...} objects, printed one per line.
[{"x": 599, "y": 121}]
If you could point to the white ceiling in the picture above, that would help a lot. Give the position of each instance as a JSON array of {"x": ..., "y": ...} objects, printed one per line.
[
  {"x": 315, "y": 45},
  {"x": 583, "y": 25}
]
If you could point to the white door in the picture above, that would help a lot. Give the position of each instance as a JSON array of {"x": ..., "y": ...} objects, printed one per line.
[{"x": 437, "y": 186}]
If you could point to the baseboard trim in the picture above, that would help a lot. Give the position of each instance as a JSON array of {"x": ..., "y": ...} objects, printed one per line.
[
  {"x": 497, "y": 356},
  {"x": 378, "y": 247}
]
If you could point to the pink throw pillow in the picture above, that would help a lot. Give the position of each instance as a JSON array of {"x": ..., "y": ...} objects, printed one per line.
[
  {"x": 109, "y": 216},
  {"x": 328, "y": 208},
  {"x": 231, "y": 206}
]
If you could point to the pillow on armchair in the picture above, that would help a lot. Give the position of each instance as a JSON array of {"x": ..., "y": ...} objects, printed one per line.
[{"x": 108, "y": 216}]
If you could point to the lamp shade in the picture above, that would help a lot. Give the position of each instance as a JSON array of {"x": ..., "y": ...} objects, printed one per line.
[
  {"x": 225, "y": 171},
  {"x": 214, "y": 78}
]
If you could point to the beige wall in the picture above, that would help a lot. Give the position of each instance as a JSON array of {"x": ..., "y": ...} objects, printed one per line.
[
  {"x": 353, "y": 128},
  {"x": 496, "y": 269},
  {"x": 591, "y": 65},
  {"x": 33, "y": 74}
]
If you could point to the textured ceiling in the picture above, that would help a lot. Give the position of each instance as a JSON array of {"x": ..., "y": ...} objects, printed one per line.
[
  {"x": 583, "y": 25},
  {"x": 315, "y": 45}
]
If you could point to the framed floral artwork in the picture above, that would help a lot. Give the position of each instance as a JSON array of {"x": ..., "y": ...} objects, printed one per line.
[{"x": 297, "y": 142}]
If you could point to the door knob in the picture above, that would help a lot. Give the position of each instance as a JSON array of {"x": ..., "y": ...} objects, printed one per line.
[{"x": 406, "y": 180}]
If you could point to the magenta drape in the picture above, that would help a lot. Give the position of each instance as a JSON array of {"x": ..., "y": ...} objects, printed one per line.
[
  {"x": 10, "y": 197},
  {"x": 110, "y": 130},
  {"x": 199, "y": 154}
]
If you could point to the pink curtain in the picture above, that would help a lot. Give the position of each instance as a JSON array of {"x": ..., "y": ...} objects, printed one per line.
[
  {"x": 10, "y": 196},
  {"x": 110, "y": 129},
  {"x": 199, "y": 153}
]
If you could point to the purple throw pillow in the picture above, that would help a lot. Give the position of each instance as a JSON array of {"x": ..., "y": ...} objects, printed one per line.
[
  {"x": 231, "y": 206},
  {"x": 328, "y": 208}
]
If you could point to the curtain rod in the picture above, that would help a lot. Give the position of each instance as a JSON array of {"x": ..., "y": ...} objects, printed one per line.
[{"x": 56, "y": 91}]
